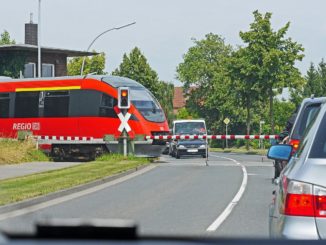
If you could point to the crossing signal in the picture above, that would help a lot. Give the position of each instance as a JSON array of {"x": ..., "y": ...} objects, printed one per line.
[{"x": 123, "y": 98}]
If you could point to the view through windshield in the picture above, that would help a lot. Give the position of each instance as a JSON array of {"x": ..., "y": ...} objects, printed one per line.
[
  {"x": 197, "y": 128},
  {"x": 104, "y": 104}
]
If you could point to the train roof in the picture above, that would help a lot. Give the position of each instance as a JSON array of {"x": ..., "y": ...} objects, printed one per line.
[{"x": 114, "y": 81}]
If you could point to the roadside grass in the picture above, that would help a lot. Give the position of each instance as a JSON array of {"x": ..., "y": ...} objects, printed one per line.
[
  {"x": 21, "y": 188},
  {"x": 14, "y": 151},
  {"x": 242, "y": 150}
]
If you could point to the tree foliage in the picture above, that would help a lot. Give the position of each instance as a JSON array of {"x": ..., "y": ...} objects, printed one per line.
[
  {"x": 203, "y": 73},
  {"x": 315, "y": 81},
  {"x": 5, "y": 38},
  {"x": 94, "y": 64},
  {"x": 11, "y": 63},
  {"x": 241, "y": 83},
  {"x": 283, "y": 111},
  {"x": 183, "y": 113},
  {"x": 135, "y": 66},
  {"x": 271, "y": 58}
]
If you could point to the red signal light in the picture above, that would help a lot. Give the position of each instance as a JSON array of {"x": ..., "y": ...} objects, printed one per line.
[
  {"x": 123, "y": 98},
  {"x": 124, "y": 93}
]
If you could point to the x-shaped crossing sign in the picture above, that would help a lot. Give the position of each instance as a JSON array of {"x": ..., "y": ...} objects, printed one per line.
[{"x": 124, "y": 121}]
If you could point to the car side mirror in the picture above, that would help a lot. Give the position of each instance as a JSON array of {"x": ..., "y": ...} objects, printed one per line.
[{"x": 280, "y": 152}]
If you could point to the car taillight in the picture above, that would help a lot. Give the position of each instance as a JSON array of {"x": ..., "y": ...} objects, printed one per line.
[
  {"x": 295, "y": 143},
  {"x": 320, "y": 201},
  {"x": 299, "y": 199},
  {"x": 303, "y": 199}
]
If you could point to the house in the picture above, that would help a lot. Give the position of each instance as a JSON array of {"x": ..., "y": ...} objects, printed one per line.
[
  {"x": 54, "y": 60},
  {"x": 179, "y": 101}
]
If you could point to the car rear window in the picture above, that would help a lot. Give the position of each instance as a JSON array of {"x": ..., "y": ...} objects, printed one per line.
[
  {"x": 318, "y": 149},
  {"x": 304, "y": 119}
]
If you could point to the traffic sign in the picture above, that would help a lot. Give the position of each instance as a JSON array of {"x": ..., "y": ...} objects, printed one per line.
[{"x": 226, "y": 121}]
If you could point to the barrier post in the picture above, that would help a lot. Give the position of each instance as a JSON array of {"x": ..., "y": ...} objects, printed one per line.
[
  {"x": 124, "y": 134},
  {"x": 207, "y": 151},
  {"x": 124, "y": 144}
]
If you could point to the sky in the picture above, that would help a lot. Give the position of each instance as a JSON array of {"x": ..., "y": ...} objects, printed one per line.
[{"x": 164, "y": 29}]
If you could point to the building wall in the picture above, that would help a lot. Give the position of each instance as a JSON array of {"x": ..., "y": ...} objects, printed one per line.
[
  {"x": 58, "y": 60},
  {"x": 31, "y": 34}
]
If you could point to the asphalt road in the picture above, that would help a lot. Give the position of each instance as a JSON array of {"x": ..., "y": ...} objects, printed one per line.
[{"x": 178, "y": 197}]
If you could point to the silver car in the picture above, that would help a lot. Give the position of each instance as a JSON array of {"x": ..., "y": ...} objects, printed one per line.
[{"x": 298, "y": 210}]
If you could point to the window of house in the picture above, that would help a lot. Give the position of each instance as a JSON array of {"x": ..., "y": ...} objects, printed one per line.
[
  {"x": 47, "y": 70},
  {"x": 56, "y": 104},
  {"x": 30, "y": 70},
  {"x": 26, "y": 104},
  {"x": 4, "y": 105}
]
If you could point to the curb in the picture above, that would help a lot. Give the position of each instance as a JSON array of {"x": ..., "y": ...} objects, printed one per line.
[{"x": 37, "y": 200}]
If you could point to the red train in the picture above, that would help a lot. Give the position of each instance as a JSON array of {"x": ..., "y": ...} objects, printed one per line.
[{"x": 72, "y": 115}]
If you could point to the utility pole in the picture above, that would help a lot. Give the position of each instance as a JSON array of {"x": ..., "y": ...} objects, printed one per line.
[{"x": 39, "y": 71}]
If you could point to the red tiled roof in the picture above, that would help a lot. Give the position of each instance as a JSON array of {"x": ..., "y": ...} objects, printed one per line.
[{"x": 179, "y": 100}]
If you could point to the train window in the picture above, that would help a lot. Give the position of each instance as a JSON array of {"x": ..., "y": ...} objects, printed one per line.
[
  {"x": 56, "y": 104},
  {"x": 4, "y": 105},
  {"x": 107, "y": 101},
  {"x": 84, "y": 103},
  {"x": 106, "y": 107},
  {"x": 26, "y": 104},
  {"x": 147, "y": 105}
]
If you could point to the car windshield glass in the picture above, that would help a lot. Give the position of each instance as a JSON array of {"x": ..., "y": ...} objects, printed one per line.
[
  {"x": 318, "y": 149},
  {"x": 303, "y": 121},
  {"x": 190, "y": 128},
  {"x": 147, "y": 105},
  {"x": 162, "y": 113}
]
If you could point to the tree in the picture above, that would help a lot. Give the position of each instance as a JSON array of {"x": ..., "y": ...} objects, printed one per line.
[
  {"x": 271, "y": 58},
  {"x": 11, "y": 63},
  {"x": 283, "y": 111},
  {"x": 136, "y": 67},
  {"x": 183, "y": 113},
  {"x": 244, "y": 83},
  {"x": 92, "y": 64},
  {"x": 165, "y": 97},
  {"x": 205, "y": 82},
  {"x": 5, "y": 38},
  {"x": 313, "y": 83},
  {"x": 322, "y": 78}
]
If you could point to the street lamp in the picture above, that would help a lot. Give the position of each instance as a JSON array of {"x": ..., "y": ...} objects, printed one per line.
[
  {"x": 39, "y": 40},
  {"x": 112, "y": 29}
]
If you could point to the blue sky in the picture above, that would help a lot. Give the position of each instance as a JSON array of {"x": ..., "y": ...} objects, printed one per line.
[{"x": 164, "y": 28}]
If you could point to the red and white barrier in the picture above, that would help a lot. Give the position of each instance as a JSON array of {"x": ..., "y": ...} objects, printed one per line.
[
  {"x": 43, "y": 139},
  {"x": 213, "y": 137}
]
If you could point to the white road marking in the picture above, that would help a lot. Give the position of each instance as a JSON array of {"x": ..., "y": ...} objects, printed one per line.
[
  {"x": 69, "y": 197},
  {"x": 227, "y": 211}
]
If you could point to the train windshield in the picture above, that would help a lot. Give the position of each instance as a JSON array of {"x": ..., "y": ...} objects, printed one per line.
[{"x": 147, "y": 105}]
